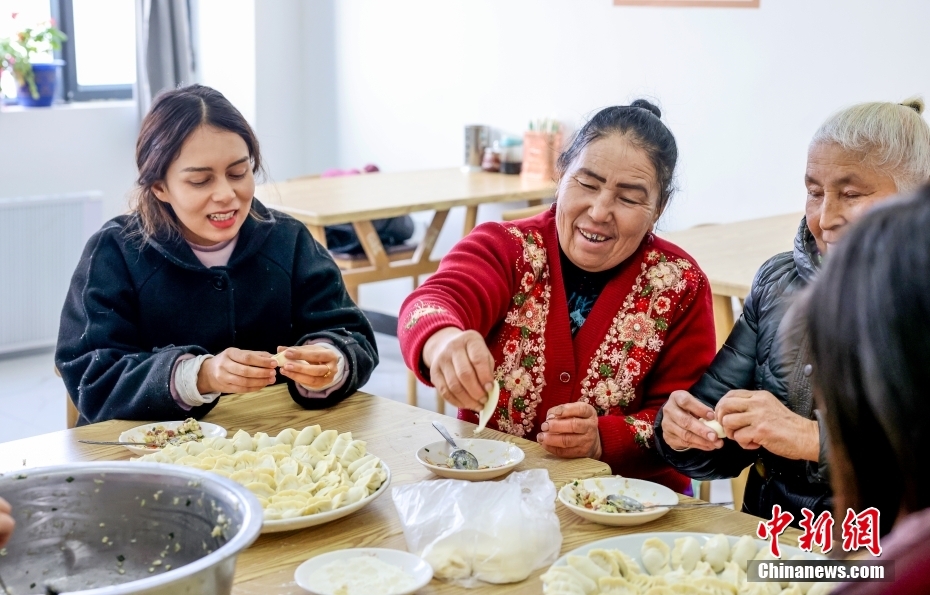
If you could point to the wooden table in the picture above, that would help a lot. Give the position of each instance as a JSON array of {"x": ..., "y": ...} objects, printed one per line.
[
  {"x": 359, "y": 200},
  {"x": 393, "y": 431},
  {"x": 731, "y": 253}
]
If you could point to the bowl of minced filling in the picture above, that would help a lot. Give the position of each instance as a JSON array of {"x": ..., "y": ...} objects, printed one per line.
[
  {"x": 588, "y": 498},
  {"x": 153, "y": 436}
]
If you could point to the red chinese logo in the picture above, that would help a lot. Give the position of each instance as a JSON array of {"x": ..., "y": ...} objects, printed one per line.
[
  {"x": 862, "y": 530},
  {"x": 819, "y": 531},
  {"x": 775, "y": 527}
]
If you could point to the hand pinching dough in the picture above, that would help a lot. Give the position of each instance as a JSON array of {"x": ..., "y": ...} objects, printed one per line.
[{"x": 715, "y": 426}]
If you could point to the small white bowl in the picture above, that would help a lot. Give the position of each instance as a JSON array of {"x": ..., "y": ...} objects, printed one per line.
[
  {"x": 499, "y": 457},
  {"x": 644, "y": 491},
  {"x": 416, "y": 567},
  {"x": 137, "y": 434}
]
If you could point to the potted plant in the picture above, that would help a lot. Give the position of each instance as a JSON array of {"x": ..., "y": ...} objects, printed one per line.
[{"x": 35, "y": 79}]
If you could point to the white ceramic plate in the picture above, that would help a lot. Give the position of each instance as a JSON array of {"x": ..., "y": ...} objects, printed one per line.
[
  {"x": 415, "y": 566},
  {"x": 644, "y": 491},
  {"x": 312, "y": 520},
  {"x": 499, "y": 457},
  {"x": 632, "y": 545},
  {"x": 137, "y": 434}
]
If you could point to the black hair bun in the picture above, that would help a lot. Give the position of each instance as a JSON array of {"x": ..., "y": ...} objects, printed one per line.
[{"x": 642, "y": 103}]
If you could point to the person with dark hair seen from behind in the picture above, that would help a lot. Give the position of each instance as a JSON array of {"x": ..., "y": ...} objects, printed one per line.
[
  {"x": 584, "y": 319},
  {"x": 868, "y": 318},
  {"x": 758, "y": 386},
  {"x": 187, "y": 297}
]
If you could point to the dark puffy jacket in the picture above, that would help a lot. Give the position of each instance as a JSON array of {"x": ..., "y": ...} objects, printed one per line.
[
  {"x": 765, "y": 351},
  {"x": 134, "y": 308}
]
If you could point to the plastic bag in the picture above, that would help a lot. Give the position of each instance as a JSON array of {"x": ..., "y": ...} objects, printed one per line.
[{"x": 491, "y": 531}]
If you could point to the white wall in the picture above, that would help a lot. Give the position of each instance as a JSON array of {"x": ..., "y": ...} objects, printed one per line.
[
  {"x": 225, "y": 37},
  {"x": 70, "y": 149},
  {"x": 743, "y": 90}
]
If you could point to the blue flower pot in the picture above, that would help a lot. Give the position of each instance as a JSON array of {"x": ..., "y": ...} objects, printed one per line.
[{"x": 46, "y": 76}]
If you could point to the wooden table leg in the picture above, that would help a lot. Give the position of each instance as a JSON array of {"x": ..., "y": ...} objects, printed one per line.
[
  {"x": 471, "y": 218},
  {"x": 723, "y": 318}
]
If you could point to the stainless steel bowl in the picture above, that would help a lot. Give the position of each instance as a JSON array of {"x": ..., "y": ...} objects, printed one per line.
[{"x": 113, "y": 528}]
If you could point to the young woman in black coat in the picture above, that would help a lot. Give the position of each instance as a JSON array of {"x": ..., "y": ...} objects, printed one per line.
[{"x": 186, "y": 297}]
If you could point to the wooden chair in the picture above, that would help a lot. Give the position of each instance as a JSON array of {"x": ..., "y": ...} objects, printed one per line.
[
  {"x": 737, "y": 486},
  {"x": 71, "y": 412},
  {"x": 523, "y": 213}
]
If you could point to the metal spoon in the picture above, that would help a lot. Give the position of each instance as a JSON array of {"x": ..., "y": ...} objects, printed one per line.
[
  {"x": 628, "y": 504},
  {"x": 461, "y": 458},
  {"x": 115, "y": 443}
]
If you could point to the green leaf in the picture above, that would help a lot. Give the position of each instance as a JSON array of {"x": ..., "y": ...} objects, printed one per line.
[
  {"x": 519, "y": 299},
  {"x": 662, "y": 258},
  {"x": 524, "y": 332},
  {"x": 519, "y": 404},
  {"x": 530, "y": 239},
  {"x": 528, "y": 361},
  {"x": 661, "y": 324},
  {"x": 628, "y": 345},
  {"x": 646, "y": 290},
  {"x": 605, "y": 371},
  {"x": 503, "y": 413}
]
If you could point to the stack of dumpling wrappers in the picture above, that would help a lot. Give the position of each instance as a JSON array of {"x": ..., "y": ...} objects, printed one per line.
[
  {"x": 687, "y": 568},
  {"x": 293, "y": 474}
]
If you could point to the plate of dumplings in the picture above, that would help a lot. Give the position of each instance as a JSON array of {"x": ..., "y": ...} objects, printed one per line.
[
  {"x": 680, "y": 563},
  {"x": 302, "y": 479}
]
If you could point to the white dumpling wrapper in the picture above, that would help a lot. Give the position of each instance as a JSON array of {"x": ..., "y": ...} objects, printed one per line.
[
  {"x": 324, "y": 442},
  {"x": 342, "y": 442},
  {"x": 484, "y": 416}
]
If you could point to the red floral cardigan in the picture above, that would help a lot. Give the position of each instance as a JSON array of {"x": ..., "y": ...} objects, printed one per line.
[{"x": 650, "y": 332}]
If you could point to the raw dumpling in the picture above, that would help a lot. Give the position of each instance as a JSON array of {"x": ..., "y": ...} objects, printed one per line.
[
  {"x": 585, "y": 566},
  {"x": 260, "y": 489},
  {"x": 242, "y": 441},
  {"x": 717, "y": 551},
  {"x": 686, "y": 553},
  {"x": 617, "y": 585},
  {"x": 655, "y": 556},
  {"x": 569, "y": 575},
  {"x": 324, "y": 442},
  {"x": 372, "y": 463},
  {"x": 341, "y": 443},
  {"x": 307, "y": 435},
  {"x": 484, "y": 416},
  {"x": 732, "y": 573},
  {"x": 355, "y": 494},
  {"x": 353, "y": 452},
  {"x": 714, "y": 586},
  {"x": 743, "y": 550},
  {"x": 703, "y": 569},
  {"x": 562, "y": 586},
  {"x": 286, "y": 436},
  {"x": 263, "y": 440},
  {"x": 306, "y": 455},
  {"x": 605, "y": 560}
]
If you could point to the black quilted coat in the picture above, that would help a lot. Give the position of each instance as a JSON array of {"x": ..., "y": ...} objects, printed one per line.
[{"x": 765, "y": 351}]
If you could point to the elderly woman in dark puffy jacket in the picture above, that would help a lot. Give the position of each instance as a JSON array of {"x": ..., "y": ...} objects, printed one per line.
[{"x": 758, "y": 386}]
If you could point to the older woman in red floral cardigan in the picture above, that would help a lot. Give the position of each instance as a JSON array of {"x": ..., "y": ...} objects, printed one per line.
[{"x": 584, "y": 318}]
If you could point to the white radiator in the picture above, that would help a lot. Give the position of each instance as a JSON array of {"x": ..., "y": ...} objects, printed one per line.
[{"x": 41, "y": 239}]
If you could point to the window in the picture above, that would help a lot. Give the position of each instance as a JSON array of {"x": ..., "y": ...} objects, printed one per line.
[
  {"x": 14, "y": 16},
  {"x": 100, "y": 54}
]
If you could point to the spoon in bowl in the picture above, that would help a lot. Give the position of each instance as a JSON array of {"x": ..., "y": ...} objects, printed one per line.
[
  {"x": 628, "y": 504},
  {"x": 461, "y": 458}
]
